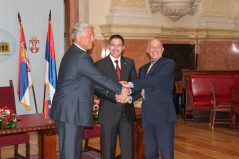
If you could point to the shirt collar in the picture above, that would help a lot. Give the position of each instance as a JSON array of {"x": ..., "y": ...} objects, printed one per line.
[
  {"x": 113, "y": 59},
  {"x": 79, "y": 47}
]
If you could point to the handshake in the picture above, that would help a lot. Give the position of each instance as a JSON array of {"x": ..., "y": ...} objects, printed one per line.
[{"x": 124, "y": 96}]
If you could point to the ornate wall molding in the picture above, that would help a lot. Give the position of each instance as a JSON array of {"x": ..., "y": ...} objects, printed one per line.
[
  {"x": 127, "y": 4},
  {"x": 128, "y": 12},
  {"x": 128, "y": 16},
  {"x": 174, "y": 9},
  {"x": 131, "y": 31},
  {"x": 217, "y": 22}
]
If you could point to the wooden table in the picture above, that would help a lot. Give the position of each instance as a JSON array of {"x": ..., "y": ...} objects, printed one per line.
[{"x": 46, "y": 129}]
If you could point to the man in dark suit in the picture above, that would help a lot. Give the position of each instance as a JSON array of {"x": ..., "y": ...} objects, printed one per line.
[
  {"x": 158, "y": 112},
  {"x": 73, "y": 100},
  {"x": 117, "y": 119}
]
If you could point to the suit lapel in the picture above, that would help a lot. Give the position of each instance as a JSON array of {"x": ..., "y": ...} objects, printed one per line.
[
  {"x": 144, "y": 70},
  {"x": 155, "y": 65},
  {"x": 124, "y": 67}
]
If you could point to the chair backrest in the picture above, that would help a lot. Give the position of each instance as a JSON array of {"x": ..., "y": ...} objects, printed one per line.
[
  {"x": 212, "y": 95},
  {"x": 7, "y": 97},
  {"x": 235, "y": 96},
  {"x": 178, "y": 86}
]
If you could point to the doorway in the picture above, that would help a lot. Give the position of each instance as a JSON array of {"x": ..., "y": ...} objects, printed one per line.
[{"x": 184, "y": 57}]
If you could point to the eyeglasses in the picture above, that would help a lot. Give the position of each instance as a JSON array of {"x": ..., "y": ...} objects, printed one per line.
[{"x": 118, "y": 46}]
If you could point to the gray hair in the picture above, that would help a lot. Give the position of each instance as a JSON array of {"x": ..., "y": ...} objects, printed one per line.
[{"x": 79, "y": 29}]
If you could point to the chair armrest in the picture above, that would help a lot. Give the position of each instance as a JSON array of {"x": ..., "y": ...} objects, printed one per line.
[{"x": 189, "y": 99}]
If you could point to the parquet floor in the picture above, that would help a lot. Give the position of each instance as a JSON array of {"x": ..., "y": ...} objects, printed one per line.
[{"x": 192, "y": 141}]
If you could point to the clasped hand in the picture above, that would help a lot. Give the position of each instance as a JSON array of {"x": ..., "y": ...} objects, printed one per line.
[{"x": 124, "y": 96}]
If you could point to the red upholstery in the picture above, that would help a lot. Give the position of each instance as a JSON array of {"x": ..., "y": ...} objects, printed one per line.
[
  {"x": 7, "y": 98},
  {"x": 197, "y": 90},
  {"x": 91, "y": 132},
  {"x": 7, "y": 140}
]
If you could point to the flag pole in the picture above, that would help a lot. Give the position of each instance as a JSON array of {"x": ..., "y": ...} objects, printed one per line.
[
  {"x": 34, "y": 99},
  {"x": 44, "y": 95}
]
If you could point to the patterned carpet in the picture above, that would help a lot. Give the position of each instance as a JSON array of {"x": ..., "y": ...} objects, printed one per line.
[{"x": 85, "y": 155}]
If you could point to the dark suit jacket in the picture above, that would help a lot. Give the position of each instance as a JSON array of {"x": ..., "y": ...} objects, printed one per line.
[
  {"x": 158, "y": 86},
  {"x": 73, "y": 99},
  {"x": 110, "y": 112}
]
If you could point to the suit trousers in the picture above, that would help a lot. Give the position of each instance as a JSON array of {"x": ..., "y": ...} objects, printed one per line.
[
  {"x": 70, "y": 140},
  {"x": 158, "y": 138},
  {"x": 124, "y": 130}
]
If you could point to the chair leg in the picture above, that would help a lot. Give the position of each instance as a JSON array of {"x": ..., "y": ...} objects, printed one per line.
[
  {"x": 27, "y": 150},
  {"x": 101, "y": 152},
  {"x": 16, "y": 154},
  {"x": 86, "y": 143},
  {"x": 210, "y": 120},
  {"x": 16, "y": 150},
  {"x": 233, "y": 117},
  {"x": 213, "y": 119}
]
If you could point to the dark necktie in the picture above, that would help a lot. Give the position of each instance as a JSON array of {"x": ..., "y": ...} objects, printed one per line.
[
  {"x": 152, "y": 63},
  {"x": 118, "y": 70}
]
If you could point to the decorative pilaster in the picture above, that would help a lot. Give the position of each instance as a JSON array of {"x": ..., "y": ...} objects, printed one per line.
[
  {"x": 128, "y": 12},
  {"x": 237, "y": 14},
  {"x": 216, "y": 14}
]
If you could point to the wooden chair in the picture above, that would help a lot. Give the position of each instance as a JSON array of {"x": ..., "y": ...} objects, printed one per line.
[
  {"x": 234, "y": 105},
  {"x": 7, "y": 98},
  {"x": 178, "y": 94},
  {"x": 218, "y": 107},
  {"x": 91, "y": 132},
  {"x": 178, "y": 87}
]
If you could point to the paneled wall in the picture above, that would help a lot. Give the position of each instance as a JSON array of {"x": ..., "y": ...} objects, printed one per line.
[{"x": 212, "y": 55}]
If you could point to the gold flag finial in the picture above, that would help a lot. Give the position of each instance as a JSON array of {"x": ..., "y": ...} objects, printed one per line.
[
  {"x": 50, "y": 16},
  {"x": 19, "y": 17}
]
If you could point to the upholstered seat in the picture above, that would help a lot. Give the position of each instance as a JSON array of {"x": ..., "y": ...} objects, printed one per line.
[{"x": 7, "y": 98}]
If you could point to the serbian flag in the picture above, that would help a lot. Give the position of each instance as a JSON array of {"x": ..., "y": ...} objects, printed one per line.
[
  {"x": 24, "y": 71},
  {"x": 50, "y": 64}
]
